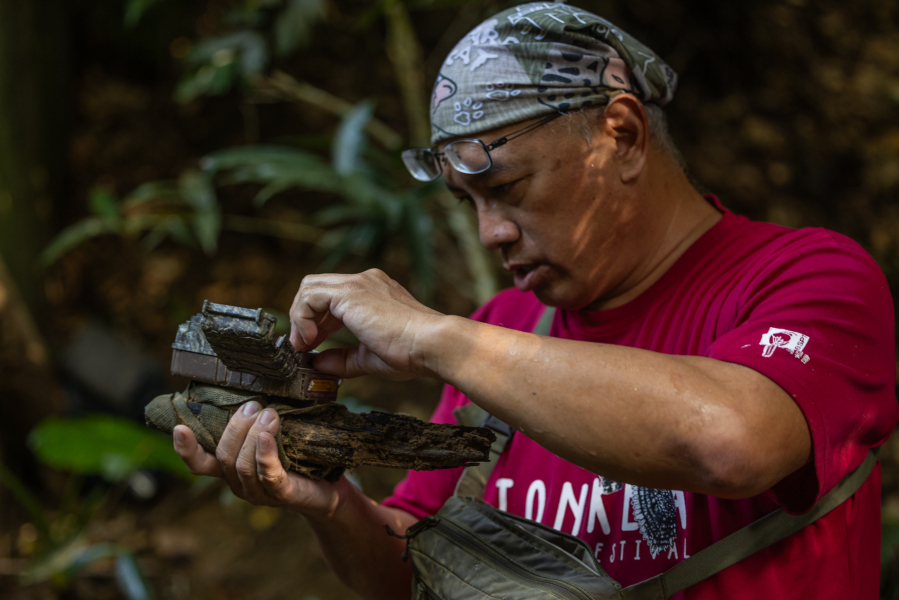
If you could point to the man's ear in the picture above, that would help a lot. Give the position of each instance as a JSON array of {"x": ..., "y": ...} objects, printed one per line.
[{"x": 625, "y": 122}]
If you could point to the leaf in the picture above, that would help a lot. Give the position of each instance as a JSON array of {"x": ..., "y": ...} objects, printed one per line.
[
  {"x": 135, "y": 9},
  {"x": 418, "y": 229},
  {"x": 349, "y": 142},
  {"x": 247, "y": 47},
  {"x": 153, "y": 190},
  {"x": 272, "y": 189},
  {"x": 84, "y": 446},
  {"x": 197, "y": 191},
  {"x": 214, "y": 64},
  {"x": 130, "y": 579},
  {"x": 295, "y": 24},
  {"x": 74, "y": 235},
  {"x": 359, "y": 237},
  {"x": 279, "y": 168},
  {"x": 66, "y": 560},
  {"x": 104, "y": 205}
]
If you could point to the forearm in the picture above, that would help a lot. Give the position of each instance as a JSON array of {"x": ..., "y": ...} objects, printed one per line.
[
  {"x": 628, "y": 414},
  {"x": 356, "y": 546}
]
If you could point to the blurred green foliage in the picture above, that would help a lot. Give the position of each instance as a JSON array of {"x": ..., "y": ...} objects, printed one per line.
[
  {"x": 185, "y": 211},
  {"x": 378, "y": 203},
  {"x": 104, "y": 445},
  {"x": 97, "y": 445}
]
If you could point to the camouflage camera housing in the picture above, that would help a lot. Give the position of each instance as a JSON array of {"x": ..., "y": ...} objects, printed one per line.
[{"x": 236, "y": 347}]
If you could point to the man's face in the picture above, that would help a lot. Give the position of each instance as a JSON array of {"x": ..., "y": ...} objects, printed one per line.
[{"x": 556, "y": 208}]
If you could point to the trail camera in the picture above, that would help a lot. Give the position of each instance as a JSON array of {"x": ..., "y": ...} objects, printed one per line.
[{"x": 236, "y": 347}]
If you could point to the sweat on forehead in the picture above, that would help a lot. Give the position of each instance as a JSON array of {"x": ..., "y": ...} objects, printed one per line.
[{"x": 538, "y": 58}]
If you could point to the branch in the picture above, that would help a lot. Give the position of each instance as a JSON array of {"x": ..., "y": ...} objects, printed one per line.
[{"x": 282, "y": 86}]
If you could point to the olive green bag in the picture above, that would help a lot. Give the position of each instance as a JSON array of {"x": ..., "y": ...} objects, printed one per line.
[{"x": 473, "y": 551}]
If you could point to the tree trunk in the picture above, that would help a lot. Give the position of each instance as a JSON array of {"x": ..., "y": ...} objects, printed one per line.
[
  {"x": 29, "y": 390},
  {"x": 33, "y": 107}
]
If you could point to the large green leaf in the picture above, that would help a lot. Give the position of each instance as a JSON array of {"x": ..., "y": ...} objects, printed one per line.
[
  {"x": 197, "y": 191},
  {"x": 104, "y": 445},
  {"x": 277, "y": 167},
  {"x": 75, "y": 235},
  {"x": 349, "y": 143},
  {"x": 418, "y": 233}
]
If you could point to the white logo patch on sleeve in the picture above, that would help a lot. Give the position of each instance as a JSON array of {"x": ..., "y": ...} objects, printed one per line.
[{"x": 791, "y": 341}]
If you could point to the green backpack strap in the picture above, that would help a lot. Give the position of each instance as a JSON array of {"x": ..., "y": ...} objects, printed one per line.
[
  {"x": 473, "y": 481},
  {"x": 746, "y": 541}
]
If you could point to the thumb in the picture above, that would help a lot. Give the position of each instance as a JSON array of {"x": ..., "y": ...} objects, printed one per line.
[
  {"x": 337, "y": 361},
  {"x": 354, "y": 362}
]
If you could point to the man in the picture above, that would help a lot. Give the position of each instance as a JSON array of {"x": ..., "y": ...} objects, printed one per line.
[{"x": 743, "y": 365}]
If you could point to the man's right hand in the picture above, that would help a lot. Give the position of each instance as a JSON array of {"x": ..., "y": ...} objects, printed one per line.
[
  {"x": 247, "y": 459},
  {"x": 349, "y": 527}
]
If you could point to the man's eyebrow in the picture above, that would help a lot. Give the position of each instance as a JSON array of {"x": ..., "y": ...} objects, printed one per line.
[
  {"x": 495, "y": 169},
  {"x": 499, "y": 167}
]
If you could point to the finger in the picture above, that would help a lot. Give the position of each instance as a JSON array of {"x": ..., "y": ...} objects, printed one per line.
[
  {"x": 270, "y": 473},
  {"x": 354, "y": 362},
  {"x": 197, "y": 460},
  {"x": 232, "y": 441},
  {"x": 311, "y": 316},
  {"x": 335, "y": 361},
  {"x": 245, "y": 466}
]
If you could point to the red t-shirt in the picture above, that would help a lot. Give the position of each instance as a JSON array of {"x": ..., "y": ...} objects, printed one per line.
[{"x": 808, "y": 309}]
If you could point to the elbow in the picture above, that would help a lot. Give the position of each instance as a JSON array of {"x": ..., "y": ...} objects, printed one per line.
[{"x": 736, "y": 466}]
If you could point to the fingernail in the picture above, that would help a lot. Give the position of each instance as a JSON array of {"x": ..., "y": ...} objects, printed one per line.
[
  {"x": 179, "y": 437},
  {"x": 251, "y": 408},
  {"x": 267, "y": 417}
]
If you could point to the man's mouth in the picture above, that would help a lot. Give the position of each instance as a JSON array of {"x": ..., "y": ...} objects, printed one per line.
[
  {"x": 527, "y": 275},
  {"x": 523, "y": 270}
]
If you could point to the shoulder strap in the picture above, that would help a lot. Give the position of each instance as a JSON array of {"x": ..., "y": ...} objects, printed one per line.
[
  {"x": 546, "y": 320},
  {"x": 473, "y": 481},
  {"x": 747, "y": 541}
]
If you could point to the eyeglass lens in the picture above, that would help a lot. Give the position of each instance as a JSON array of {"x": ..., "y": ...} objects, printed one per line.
[
  {"x": 422, "y": 163},
  {"x": 467, "y": 156}
]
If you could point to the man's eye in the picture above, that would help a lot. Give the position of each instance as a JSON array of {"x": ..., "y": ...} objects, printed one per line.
[{"x": 502, "y": 189}]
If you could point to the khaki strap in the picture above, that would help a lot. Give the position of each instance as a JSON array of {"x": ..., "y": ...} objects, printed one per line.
[
  {"x": 747, "y": 541},
  {"x": 545, "y": 322},
  {"x": 473, "y": 481},
  {"x": 206, "y": 410}
]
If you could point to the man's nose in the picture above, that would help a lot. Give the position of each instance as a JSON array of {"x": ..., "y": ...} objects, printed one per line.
[{"x": 495, "y": 229}]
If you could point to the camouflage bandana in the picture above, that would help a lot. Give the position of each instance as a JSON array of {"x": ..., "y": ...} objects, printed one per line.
[{"x": 536, "y": 59}]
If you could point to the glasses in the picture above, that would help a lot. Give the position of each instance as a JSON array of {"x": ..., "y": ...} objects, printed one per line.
[{"x": 470, "y": 156}]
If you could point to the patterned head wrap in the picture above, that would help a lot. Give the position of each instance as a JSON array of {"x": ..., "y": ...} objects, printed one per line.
[{"x": 538, "y": 58}]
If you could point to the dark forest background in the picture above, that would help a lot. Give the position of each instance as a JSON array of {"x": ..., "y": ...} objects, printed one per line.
[{"x": 156, "y": 153}]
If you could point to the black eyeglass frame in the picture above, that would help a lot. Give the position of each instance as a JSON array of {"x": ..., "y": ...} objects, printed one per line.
[{"x": 487, "y": 148}]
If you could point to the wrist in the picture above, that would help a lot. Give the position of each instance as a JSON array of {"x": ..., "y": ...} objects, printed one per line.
[
  {"x": 444, "y": 344},
  {"x": 333, "y": 503}
]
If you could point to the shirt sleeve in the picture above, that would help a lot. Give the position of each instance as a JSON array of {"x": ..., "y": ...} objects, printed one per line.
[{"x": 817, "y": 319}]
